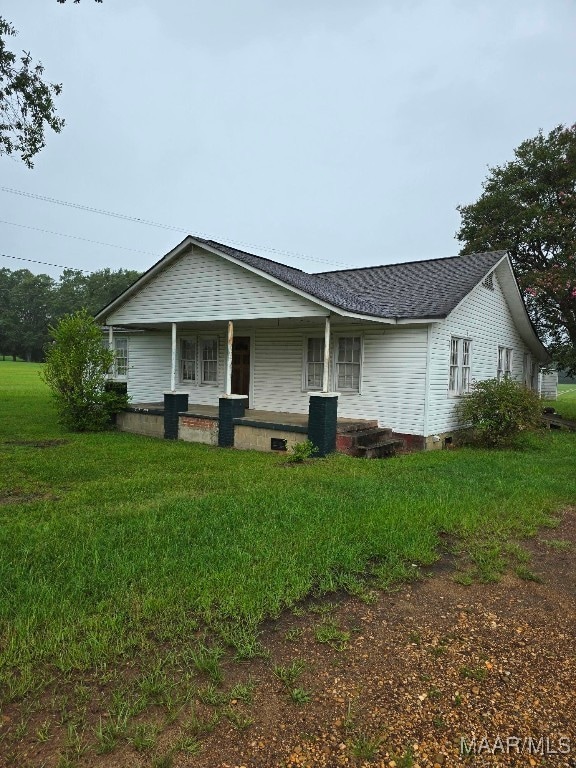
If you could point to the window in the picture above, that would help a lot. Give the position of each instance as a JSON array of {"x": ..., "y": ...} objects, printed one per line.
[
  {"x": 120, "y": 370},
  {"x": 198, "y": 360},
  {"x": 348, "y": 363},
  {"x": 504, "y": 363},
  {"x": 460, "y": 366},
  {"x": 188, "y": 360},
  {"x": 209, "y": 361},
  {"x": 314, "y": 363}
]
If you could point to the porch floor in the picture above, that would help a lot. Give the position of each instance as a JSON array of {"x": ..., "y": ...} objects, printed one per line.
[{"x": 251, "y": 414}]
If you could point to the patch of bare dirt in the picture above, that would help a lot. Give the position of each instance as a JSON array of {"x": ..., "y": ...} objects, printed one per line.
[{"x": 416, "y": 678}]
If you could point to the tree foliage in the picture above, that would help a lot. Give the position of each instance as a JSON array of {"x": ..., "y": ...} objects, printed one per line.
[
  {"x": 26, "y": 102},
  {"x": 30, "y": 304},
  {"x": 76, "y": 370},
  {"x": 528, "y": 207},
  {"x": 497, "y": 411}
]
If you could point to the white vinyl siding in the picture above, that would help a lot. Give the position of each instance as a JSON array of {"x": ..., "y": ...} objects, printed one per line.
[
  {"x": 203, "y": 287},
  {"x": 484, "y": 318}
]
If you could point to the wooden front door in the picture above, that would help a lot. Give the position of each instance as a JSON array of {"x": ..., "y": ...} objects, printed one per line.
[{"x": 241, "y": 365}]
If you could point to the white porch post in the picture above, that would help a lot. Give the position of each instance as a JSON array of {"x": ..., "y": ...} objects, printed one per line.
[
  {"x": 111, "y": 348},
  {"x": 228, "y": 388},
  {"x": 174, "y": 360},
  {"x": 326, "y": 354}
]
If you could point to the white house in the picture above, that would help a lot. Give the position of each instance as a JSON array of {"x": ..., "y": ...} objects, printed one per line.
[{"x": 399, "y": 343}]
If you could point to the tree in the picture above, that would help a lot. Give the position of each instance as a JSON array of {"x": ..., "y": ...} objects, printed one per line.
[
  {"x": 528, "y": 208},
  {"x": 76, "y": 369},
  {"x": 26, "y": 102}
]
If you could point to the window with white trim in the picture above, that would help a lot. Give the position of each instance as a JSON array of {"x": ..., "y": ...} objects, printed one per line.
[
  {"x": 120, "y": 370},
  {"x": 504, "y": 363},
  {"x": 348, "y": 363},
  {"x": 460, "y": 365},
  {"x": 209, "y": 361},
  {"x": 198, "y": 360},
  {"x": 314, "y": 363},
  {"x": 188, "y": 360}
]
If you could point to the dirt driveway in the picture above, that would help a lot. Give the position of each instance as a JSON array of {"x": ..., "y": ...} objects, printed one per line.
[{"x": 429, "y": 673}]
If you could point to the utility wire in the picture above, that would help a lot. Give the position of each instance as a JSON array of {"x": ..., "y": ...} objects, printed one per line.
[
  {"x": 159, "y": 225},
  {"x": 76, "y": 237},
  {"x": 45, "y": 263}
]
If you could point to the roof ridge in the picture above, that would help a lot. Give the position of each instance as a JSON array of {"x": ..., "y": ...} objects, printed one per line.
[{"x": 406, "y": 263}]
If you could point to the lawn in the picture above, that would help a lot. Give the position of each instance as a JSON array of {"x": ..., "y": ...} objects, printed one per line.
[
  {"x": 565, "y": 404},
  {"x": 109, "y": 540}
]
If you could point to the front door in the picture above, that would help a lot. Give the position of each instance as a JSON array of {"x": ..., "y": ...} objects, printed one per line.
[{"x": 241, "y": 365}]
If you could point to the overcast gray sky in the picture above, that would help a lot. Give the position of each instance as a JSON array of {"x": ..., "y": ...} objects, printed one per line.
[{"x": 344, "y": 131}]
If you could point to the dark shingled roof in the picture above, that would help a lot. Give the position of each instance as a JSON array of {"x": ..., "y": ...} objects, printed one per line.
[{"x": 414, "y": 289}]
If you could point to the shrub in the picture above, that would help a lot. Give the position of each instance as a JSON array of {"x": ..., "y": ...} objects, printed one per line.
[
  {"x": 76, "y": 370},
  {"x": 496, "y": 412},
  {"x": 302, "y": 451}
]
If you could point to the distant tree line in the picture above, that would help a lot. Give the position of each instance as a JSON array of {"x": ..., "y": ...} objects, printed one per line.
[{"x": 30, "y": 304}]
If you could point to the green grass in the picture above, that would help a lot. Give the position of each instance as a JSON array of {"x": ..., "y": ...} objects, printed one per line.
[
  {"x": 565, "y": 404},
  {"x": 111, "y": 539}
]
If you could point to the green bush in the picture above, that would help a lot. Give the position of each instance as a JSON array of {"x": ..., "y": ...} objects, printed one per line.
[
  {"x": 496, "y": 412},
  {"x": 76, "y": 370}
]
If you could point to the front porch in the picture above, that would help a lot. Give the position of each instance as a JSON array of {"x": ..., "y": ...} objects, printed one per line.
[{"x": 262, "y": 430}]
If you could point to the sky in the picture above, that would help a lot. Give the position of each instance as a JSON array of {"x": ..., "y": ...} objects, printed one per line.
[{"x": 324, "y": 134}]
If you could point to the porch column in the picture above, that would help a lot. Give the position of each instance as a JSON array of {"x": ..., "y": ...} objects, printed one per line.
[
  {"x": 326, "y": 355},
  {"x": 322, "y": 422},
  {"x": 111, "y": 348},
  {"x": 228, "y": 383},
  {"x": 174, "y": 359}
]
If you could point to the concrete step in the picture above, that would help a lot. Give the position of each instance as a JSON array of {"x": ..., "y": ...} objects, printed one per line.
[
  {"x": 345, "y": 428},
  {"x": 372, "y": 436},
  {"x": 380, "y": 450}
]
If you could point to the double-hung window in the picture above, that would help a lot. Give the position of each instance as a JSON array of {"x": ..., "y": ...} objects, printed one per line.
[
  {"x": 314, "y": 363},
  {"x": 209, "y": 361},
  {"x": 198, "y": 360},
  {"x": 460, "y": 365},
  {"x": 188, "y": 361},
  {"x": 348, "y": 363},
  {"x": 120, "y": 358},
  {"x": 504, "y": 363}
]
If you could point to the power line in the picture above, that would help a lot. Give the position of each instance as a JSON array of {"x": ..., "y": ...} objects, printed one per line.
[
  {"x": 76, "y": 237},
  {"x": 159, "y": 225},
  {"x": 45, "y": 263}
]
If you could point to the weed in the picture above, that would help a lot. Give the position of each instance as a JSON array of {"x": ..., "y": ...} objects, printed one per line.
[
  {"x": 365, "y": 747},
  {"x": 238, "y": 719},
  {"x": 437, "y": 650},
  {"x": 211, "y": 695},
  {"x": 438, "y": 722},
  {"x": 163, "y": 761},
  {"x": 187, "y": 744},
  {"x": 328, "y": 632},
  {"x": 293, "y": 635},
  {"x": 289, "y": 674},
  {"x": 207, "y": 660},
  {"x": 143, "y": 737},
  {"x": 300, "y": 696},
  {"x": 473, "y": 673},
  {"x": 75, "y": 743},
  {"x": 243, "y": 691},
  {"x": 406, "y": 759},
  {"x": 527, "y": 575},
  {"x": 434, "y": 694},
  {"x": 301, "y": 452},
  {"x": 457, "y": 699},
  {"x": 561, "y": 545},
  {"x": 465, "y": 578},
  {"x": 414, "y": 638},
  {"x": 195, "y": 726},
  {"x": 108, "y": 732},
  {"x": 43, "y": 732}
]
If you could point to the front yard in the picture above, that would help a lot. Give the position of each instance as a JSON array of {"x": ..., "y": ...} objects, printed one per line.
[{"x": 132, "y": 560}]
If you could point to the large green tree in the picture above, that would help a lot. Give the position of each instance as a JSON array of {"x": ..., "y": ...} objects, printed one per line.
[
  {"x": 26, "y": 102},
  {"x": 528, "y": 208}
]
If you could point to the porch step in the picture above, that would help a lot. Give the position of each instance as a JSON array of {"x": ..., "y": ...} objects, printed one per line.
[
  {"x": 345, "y": 428},
  {"x": 380, "y": 450},
  {"x": 367, "y": 437}
]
